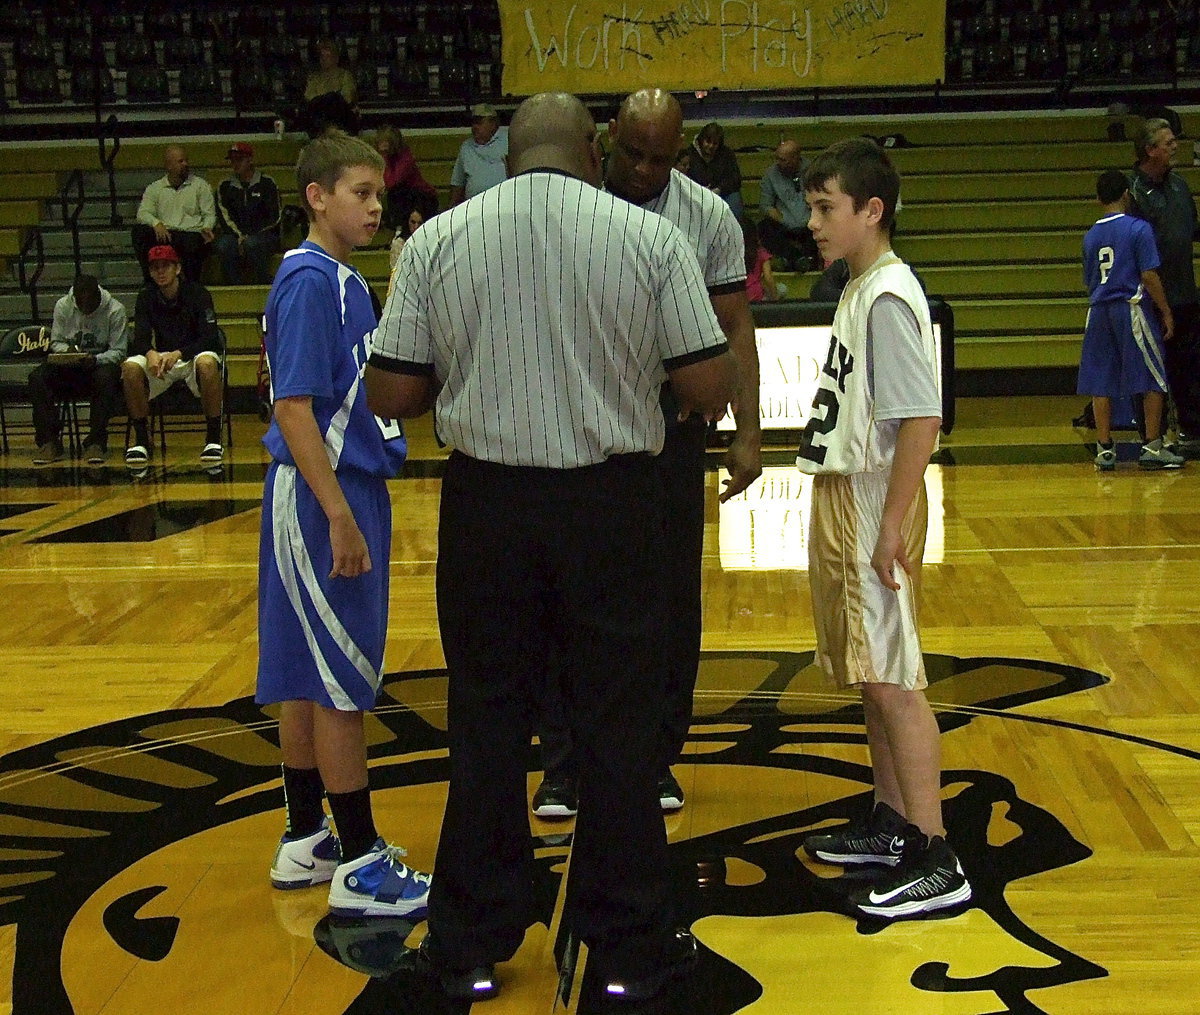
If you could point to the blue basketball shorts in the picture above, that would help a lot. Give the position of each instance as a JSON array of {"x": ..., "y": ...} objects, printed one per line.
[
  {"x": 1122, "y": 352},
  {"x": 319, "y": 638}
]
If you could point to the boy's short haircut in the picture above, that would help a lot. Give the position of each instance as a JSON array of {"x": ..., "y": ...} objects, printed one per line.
[
  {"x": 1111, "y": 184},
  {"x": 862, "y": 169},
  {"x": 324, "y": 159}
]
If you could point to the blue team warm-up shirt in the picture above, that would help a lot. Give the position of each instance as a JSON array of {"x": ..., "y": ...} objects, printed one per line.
[
  {"x": 319, "y": 322},
  {"x": 1116, "y": 250}
]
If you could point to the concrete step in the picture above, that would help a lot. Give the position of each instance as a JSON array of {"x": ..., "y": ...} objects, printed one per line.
[
  {"x": 59, "y": 273},
  {"x": 56, "y": 241}
]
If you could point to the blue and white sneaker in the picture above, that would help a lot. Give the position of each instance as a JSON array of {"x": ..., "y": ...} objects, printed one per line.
[
  {"x": 310, "y": 860},
  {"x": 379, "y": 883}
]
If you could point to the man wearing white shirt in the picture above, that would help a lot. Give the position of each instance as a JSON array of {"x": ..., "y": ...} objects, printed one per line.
[{"x": 178, "y": 210}]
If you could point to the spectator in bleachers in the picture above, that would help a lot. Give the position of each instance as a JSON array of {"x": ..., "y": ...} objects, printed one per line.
[
  {"x": 406, "y": 187},
  {"x": 483, "y": 158},
  {"x": 411, "y": 223},
  {"x": 713, "y": 165},
  {"x": 175, "y": 338},
  {"x": 178, "y": 210},
  {"x": 330, "y": 94},
  {"x": 760, "y": 282},
  {"x": 249, "y": 210},
  {"x": 87, "y": 346},
  {"x": 783, "y": 227}
]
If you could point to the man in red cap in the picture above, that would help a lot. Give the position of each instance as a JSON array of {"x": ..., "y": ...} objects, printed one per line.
[
  {"x": 177, "y": 209},
  {"x": 175, "y": 338},
  {"x": 248, "y": 209}
]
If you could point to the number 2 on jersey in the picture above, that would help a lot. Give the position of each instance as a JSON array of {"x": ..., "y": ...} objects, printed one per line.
[
  {"x": 1106, "y": 256},
  {"x": 838, "y": 364}
]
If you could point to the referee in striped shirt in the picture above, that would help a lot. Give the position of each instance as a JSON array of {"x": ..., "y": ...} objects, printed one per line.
[
  {"x": 542, "y": 318},
  {"x": 645, "y": 139}
]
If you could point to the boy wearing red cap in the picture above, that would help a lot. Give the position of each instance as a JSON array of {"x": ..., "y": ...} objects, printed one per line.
[{"x": 175, "y": 338}]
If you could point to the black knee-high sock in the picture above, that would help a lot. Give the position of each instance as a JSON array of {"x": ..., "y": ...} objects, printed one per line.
[
  {"x": 302, "y": 793},
  {"x": 355, "y": 822},
  {"x": 212, "y": 425}
]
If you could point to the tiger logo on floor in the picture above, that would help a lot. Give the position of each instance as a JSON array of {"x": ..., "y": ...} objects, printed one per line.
[{"x": 134, "y": 868}]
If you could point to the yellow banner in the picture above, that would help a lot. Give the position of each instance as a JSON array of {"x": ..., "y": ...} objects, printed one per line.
[{"x": 605, "y": 46}]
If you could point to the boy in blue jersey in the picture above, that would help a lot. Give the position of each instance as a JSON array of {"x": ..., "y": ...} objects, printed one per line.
[
  {"x": 326, "y": 534},
  {"x": 1122, "y": 348}
]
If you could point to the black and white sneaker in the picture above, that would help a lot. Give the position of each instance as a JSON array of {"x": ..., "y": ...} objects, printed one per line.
[
  {"x": 137, "y": 454},
  {"x": 879, "y": 841},
  {"x": 670, "y": 793},
  {"x": 556, "y": 798},
  {"x": 212, "y": 452},
  {"x": 930, "y": 878}
]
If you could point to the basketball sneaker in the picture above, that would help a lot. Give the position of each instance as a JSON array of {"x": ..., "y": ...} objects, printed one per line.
[
  {"x": 879, "y": 841},
  {"x": 379, "y": 883},
  {"x": 556, "y": 798},
  {"x": 670, "y": 793},
  {"x": 928, "y": 879},
  {"x": 308, "y": 860},
  {"x": 1157, "y": 456},
  {"x": 1106, "y": 458}
]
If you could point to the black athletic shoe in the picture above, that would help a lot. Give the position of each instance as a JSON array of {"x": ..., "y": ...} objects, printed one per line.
[
  {"x": 556, "y": 798},
  {"x": 678, "y": 957},
  {"x": 930, "y": 878},
  {"x": 880, "y": 840},
  {"x": 475, "y": 984},
  {"x": 670, "y": 793}
]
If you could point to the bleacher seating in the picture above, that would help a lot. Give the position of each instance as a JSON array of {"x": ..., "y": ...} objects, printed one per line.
[{"x": 994, "y": 207}]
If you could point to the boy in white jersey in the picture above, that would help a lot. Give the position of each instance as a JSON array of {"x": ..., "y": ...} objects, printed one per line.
[
  {"x": 874, "y": 424},
  {"x": 326, "y": 532}
]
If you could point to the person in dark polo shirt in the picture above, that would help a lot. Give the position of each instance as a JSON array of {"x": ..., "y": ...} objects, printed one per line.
[{"x": 248, "y": 211}]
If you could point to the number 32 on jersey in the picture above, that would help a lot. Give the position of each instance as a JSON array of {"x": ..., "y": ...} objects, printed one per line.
[{"x": 839, "y": 364}]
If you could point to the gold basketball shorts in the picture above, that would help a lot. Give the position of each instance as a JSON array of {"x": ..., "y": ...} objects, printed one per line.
[{"x": 866, "y": 632}]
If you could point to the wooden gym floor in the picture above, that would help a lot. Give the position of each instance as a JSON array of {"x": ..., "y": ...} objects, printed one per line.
[{"x": 140, "y": 798}]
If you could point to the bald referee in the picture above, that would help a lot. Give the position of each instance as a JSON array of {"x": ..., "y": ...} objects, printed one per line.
[
  {"x": 645, "y": 139},
  {"x": 543, "y": 316}
]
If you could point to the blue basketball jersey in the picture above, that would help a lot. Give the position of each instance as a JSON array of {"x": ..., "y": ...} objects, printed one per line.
[
  {"x": 1116, "y": 250},
  {"x": 319, "y": 325}
]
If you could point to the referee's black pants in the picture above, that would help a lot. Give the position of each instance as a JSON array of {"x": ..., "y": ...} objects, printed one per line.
[
  {"x": 681, "y": 469},
  {"x": 535, "y": 563}
]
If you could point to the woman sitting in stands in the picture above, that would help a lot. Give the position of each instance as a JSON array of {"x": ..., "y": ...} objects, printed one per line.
[
  {"x": 409, "y": 226},
  {"x": 714, "y": 166},
  {"x": 330, "y": 95},
  {"x": 406, "y": 187}
]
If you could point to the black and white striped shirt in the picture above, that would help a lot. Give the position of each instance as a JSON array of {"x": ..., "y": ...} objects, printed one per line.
[
  {"x": 549, "y": 310},
  {"x": 711, "y": 229}
]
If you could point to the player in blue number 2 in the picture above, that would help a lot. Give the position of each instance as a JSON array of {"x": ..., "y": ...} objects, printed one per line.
[
  {"x": 326, "y": 534},
  {"x": 874, "y": 424},
  {"x": 1122, "y": 351}
]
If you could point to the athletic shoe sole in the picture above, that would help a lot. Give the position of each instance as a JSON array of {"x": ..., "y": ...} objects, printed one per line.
[
  {"x": 350, "y": 906},
  {"x": 286, "y": 884},
  {"x": 917, "y": 906},
  {"x": 853, "y": 859},
  {"x": 555, "y": 811}
]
